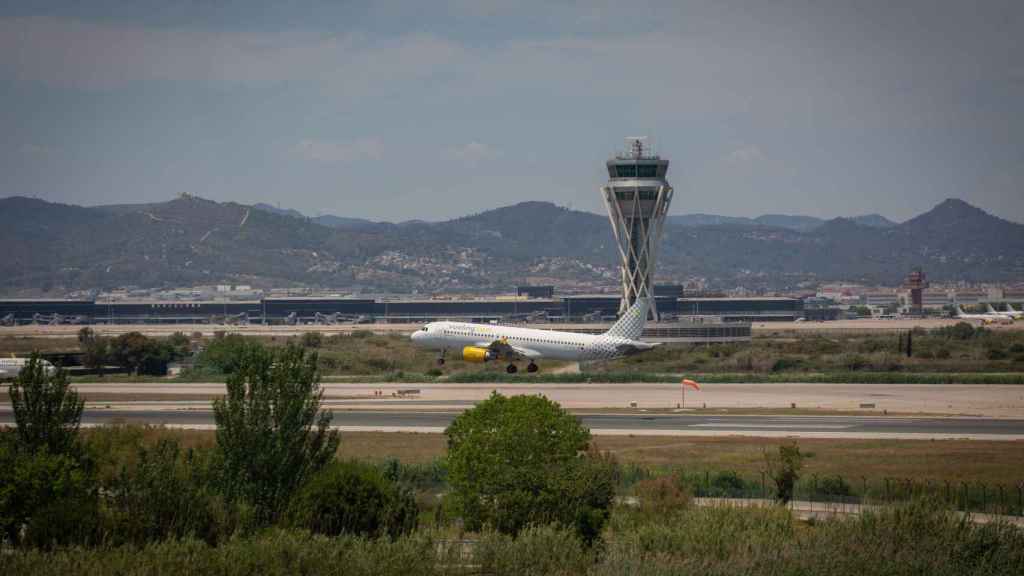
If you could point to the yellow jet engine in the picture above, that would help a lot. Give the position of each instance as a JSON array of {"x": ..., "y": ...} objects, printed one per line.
[{"x": 477, "y": 354}]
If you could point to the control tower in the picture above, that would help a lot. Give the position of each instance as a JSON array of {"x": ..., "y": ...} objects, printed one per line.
[{"x": 637, "y": 197}]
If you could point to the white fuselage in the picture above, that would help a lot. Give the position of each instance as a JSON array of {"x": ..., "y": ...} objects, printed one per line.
[
  {"x": 533, "y": 343},
  {"x": 1008, "y": 313},
  {"x": 983, "y": 317},
  {"x": 11, "y": 367}
]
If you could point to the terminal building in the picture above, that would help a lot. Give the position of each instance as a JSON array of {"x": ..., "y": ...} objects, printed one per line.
[{"x": 570, "y": 308}]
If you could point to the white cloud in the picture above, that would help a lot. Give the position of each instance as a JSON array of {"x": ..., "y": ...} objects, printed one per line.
[
  {"x": 340, "y": 152},
  {"x": 745, "y": 155},
  {"x": 472, "y": 152}
]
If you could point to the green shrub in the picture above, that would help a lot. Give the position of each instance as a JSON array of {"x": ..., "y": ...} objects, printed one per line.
[
  {"x": 353, "y": 498},
  {"x": 786, "y": 364},
  {"x": 959, "y": 331},
  {"x": 996, "y": 354},
  {"x": 312, "y": 340},
  {"x": 170, "y": 493},
  {"x": 46, "y": 499},
  {"x": 727, "y": 484},
  {"x": 536, "y": 550},
  {"x": 431, "y": 474},
  {"x": 272, "y": 552},
  {"x": 833, "y": 486},
  {"x": 854, "y": 362}
]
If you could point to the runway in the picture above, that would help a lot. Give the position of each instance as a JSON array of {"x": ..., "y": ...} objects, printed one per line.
[{"x": 680, "y": 424}]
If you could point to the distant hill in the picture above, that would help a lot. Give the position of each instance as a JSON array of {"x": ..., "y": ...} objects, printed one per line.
[
  {"x": 190, "y": 240},
  {"x": 800, "y": 223},
  {"x": 343, "y": 222},
  {"x": 279, "y": 211},
  {"x": 328, "y": 220},
  {"x": 874, "y": 221}
]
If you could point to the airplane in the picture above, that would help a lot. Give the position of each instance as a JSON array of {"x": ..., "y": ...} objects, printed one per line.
[
  {"x": 11, "y": 367},
  {"x": 242, "y": 318},
  {"x": 985, "y": 318},
  {"x": 327, "y": 319},
  {"x": 52, "y": 320},
  {"x": 8, "y": 320},
  {"x": 291, "y": 319},
  {"x": 1009, "y": 313},
  {"x": 486, "y": 342}
]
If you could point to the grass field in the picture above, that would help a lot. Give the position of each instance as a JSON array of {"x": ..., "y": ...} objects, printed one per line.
[{"x": 975, "y": 460}]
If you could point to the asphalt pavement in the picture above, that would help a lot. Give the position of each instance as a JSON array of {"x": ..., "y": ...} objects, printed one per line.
[{"x": 639, "y": 423}]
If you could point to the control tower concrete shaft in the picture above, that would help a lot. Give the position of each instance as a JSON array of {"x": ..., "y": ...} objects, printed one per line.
[{"x": 637, "y": 197}]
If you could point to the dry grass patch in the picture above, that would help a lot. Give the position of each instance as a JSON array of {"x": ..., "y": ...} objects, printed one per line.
[{"x": 954, "y": 460}]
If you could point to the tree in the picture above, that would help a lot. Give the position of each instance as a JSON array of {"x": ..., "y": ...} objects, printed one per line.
[
  {"x": 271, "y": 434},
  {"x": 521, "y": 460},
  {"x": 95, "y": 350},
  {"x": 47, "y": 486},
  {"x": 312, "y": 340},
  {"x": 225, "y": 354},
  {"x": 47, "y": 411},
  {"x": 85, "y": 335},
  {"x": 46, "y": 499},
  {"x": 140, "y": 354},
  {"x": 784, "y": 470}
]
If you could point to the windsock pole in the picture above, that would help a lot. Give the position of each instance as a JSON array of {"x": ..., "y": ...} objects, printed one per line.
[{"x": 682, "y": 386}]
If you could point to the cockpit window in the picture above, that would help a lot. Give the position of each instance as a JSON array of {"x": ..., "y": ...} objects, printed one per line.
[{"x": 424, "y": 329}]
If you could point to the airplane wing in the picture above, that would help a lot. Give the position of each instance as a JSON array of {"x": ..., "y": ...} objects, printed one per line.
[
  {"x": 505, "y": 350},
  {"x": 634, "y": 347}
]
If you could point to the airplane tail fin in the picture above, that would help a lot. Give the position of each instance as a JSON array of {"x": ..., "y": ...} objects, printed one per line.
[
  {"x": 989, "y": 308},
  {"x": 631, "y": 324}
]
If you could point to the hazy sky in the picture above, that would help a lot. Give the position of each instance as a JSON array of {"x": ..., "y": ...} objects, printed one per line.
[{"x": 398, "y": 110}]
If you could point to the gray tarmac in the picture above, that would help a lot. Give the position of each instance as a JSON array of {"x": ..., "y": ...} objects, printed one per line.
[{"x": 639, "y": 424}]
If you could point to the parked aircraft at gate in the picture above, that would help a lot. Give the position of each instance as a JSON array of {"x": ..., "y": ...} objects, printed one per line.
[
  {"x": 488, "y": 342},
  {"x": 1008, "y": 313},
  {"x": 986, "y": 318}
]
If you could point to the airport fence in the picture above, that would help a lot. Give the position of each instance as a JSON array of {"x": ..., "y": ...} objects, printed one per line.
[{"x": 848, "y": 494}]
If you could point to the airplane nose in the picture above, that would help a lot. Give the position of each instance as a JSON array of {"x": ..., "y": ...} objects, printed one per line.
[{"x": 417, "y": 336}]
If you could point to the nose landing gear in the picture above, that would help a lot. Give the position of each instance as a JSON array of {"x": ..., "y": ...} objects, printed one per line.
[
  {"x": 532, "y": 367},
  {"x": 440, "y": 361}
]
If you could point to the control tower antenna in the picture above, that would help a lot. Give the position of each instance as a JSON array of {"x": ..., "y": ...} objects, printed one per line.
[{"x": 637, "y": 197}]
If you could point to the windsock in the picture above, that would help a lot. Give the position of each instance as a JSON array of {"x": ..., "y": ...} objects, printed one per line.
[{"x": 690, "y": 383}]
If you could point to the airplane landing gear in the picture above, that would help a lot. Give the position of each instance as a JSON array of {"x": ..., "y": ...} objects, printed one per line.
[
  {"x": 440, "y": 361},
  {"x": 511, "y": 369},
  {"x": 531, "y": 368}
]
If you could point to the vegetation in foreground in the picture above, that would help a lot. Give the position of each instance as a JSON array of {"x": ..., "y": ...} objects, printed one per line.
[
  {"x": 678, "y": 538},
  {"x": 269, "y": 496}
]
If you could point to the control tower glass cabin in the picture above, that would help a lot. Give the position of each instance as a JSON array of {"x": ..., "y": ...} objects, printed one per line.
[{"x": 637, "y": 197}]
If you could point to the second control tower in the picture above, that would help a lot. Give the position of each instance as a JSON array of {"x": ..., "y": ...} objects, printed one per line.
[{"x": 637, "y": 197}]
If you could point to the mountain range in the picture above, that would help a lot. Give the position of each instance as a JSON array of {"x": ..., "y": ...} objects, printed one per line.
[
  {"x": 793, "y": 222},
  {"x": 56, "y": 248}
]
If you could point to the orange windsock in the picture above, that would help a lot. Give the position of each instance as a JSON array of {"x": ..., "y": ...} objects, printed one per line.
[{"x": 690, "y": 383}]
